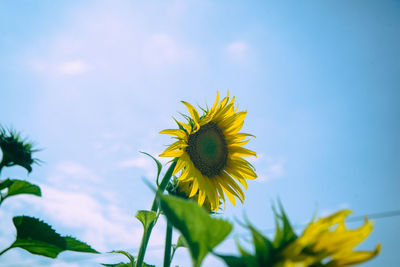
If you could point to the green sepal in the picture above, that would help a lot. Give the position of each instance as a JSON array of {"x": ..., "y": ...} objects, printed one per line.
[
  {"x": 263, "y": 247},
  {"x": 247, "y": 258},
  {"x": 232, "y": 261},
  {"x": 285, "y": 233},
  {"x": 201, "y": 232},
  {"x": 146, "y": 217}
]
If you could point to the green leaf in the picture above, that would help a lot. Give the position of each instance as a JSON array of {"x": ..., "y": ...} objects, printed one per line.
[
  {"x": 5, "y": 183},
  {"x": 121, "y": 264},
  {"x": 128, "y": 255},
  {"x": 159, "y": 165},
  {"x": 16, "y": 187},
  {"x": 201, "y": 232},
  {"x": 37, "y": 237},
  {"x": 148, "y": 265},
  {"x": 146, "y": 217},
  {"x": 75, "y": 245}
]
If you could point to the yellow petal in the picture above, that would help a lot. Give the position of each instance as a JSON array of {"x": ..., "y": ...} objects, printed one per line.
[
  {"x": 195, "y": 188},
  {"x": 182, "y": 162},
  {"x": 177, "y": 145},
  {"x": 212, "y": 110},
  {"x": 239, "y": 151},
  {"x": 176, "y": 153},
  {"x": 222, "y": 181},
  {"x": 202, "y": 197},
  {"x": 234, "y": 185},
  {"x": 193, "y": 112},
  {"x": 186, "y": 127},
  {"x": 355, "y": 257},
  {"x": 177, "y": 132},
  {"x": 237, "y": 176}
]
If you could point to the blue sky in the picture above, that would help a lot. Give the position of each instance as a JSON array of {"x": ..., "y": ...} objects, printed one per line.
[{"x": 92, "y": 83}]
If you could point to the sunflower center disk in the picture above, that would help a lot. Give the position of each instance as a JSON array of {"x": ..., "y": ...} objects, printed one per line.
[{"x": 207, "y": 149}]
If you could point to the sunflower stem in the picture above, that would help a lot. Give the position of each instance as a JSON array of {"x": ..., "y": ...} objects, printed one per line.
[
  {"x": 154, "y": 207},
  {"x": 168, "y": 241}
]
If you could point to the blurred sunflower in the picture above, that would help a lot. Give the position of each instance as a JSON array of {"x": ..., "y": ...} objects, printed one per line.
[
  {"x": 328, "y": 238},
  {"x": 209, "y": 153}
]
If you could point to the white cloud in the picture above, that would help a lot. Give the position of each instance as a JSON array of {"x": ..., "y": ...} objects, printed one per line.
[
  {"x": 111, "y": 40},
  {"x": 237, "y": 50},
  {"x": 269, "y": 167},
  {"x": 105, "y": 226},
  {"x": 73, "y": 67},
  {"x": 68, "y": 171},
  {"x": 64, "y": 264},
  {"x": 160, "y": 49},
  {"x": 55, "y": 67},
  {"x": 143, "y": 162}
]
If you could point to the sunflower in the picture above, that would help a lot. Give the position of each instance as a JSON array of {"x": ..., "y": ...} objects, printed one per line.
[
  {"x": 209, "y": 151},
  {"x": 183, "y": 190},
  {"x": 329, "y": 239}
]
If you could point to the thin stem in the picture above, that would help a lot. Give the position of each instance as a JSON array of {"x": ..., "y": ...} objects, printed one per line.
[
  {"x": 2, "y": 165},
  {"x": 154, "y": 207},
  {"x": 168, "y": 241},
  {"x": 2, "y": 197},
  {"x": 173, "y": 252}
]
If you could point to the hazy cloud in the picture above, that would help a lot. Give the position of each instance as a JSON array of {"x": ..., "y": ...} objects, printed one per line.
[{"x": 237, "y": 50}]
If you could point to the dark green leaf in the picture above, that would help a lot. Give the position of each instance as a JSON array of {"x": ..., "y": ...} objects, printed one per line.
[
  {"x": 75, "y": 245},
  {"x": 121, "y": 264},
  {"x": 17, "y": 187},
  {"x": 201, "y": 232},
  {"x": 146, "y": 217},
  {"x": 37, "y": 237},
  {"x": 5, "y": 183}
]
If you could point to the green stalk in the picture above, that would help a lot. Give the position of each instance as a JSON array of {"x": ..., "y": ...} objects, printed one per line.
[
  {"x": 168, "y": 241},
  {"x": 154, "y": 207},
  {"x": 2, "y": 165}
]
